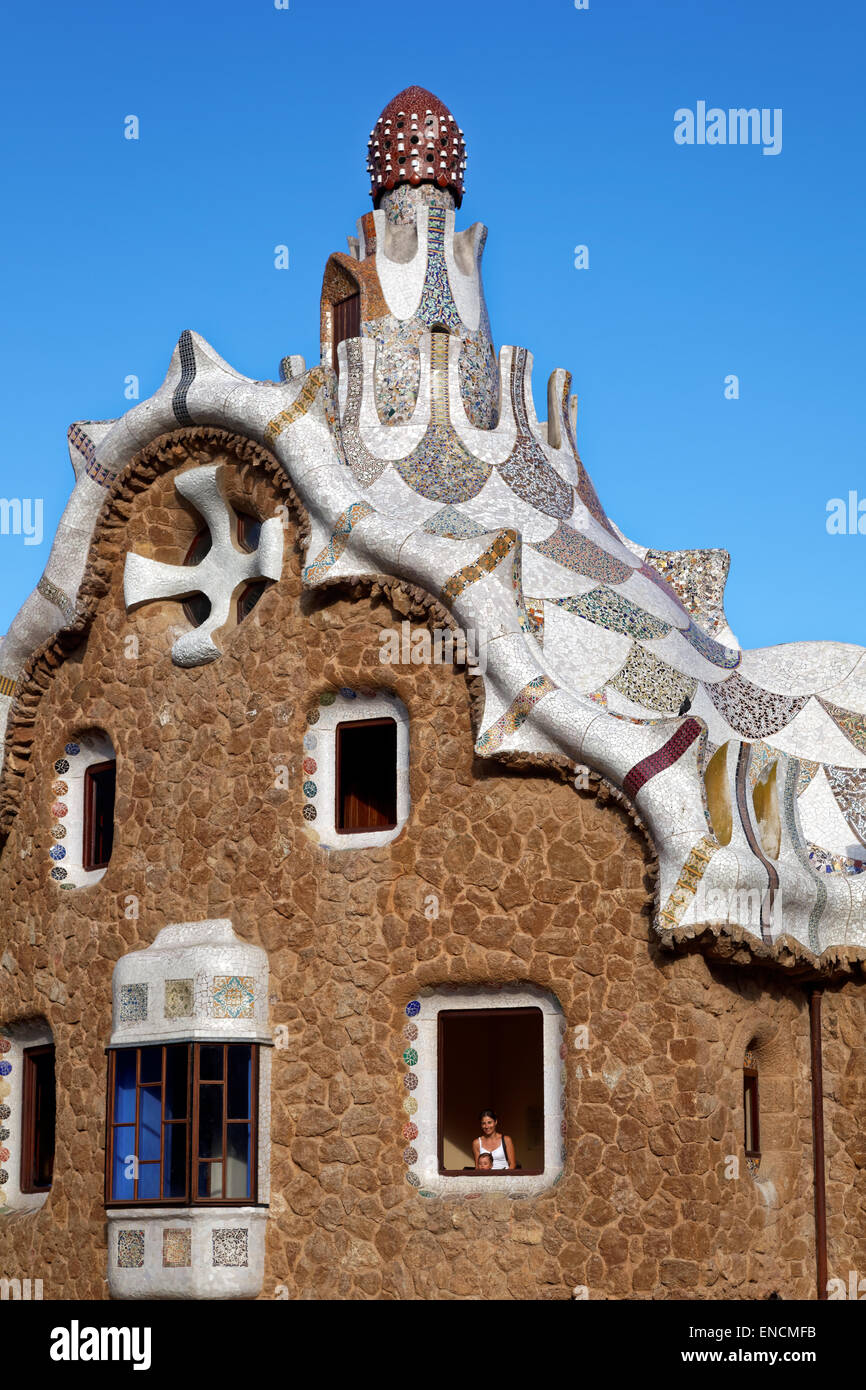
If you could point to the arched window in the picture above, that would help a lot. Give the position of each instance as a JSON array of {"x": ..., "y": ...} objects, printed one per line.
[{"x": 751, "y": 1108}]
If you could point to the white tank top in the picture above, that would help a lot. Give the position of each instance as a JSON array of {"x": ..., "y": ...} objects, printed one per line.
[{"x": 499, "y": 1156}]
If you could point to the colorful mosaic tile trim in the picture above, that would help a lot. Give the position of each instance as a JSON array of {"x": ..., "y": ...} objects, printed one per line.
[
  {"x": 82, "y": 443},
  {"x": 534, "y": 608},
  {"x": 679, "y": 742},
  {"x": 231, "y": 1248},
  {"x": 437, "y": 302},
  {"x": 651, "y": 682},
  {"x": 187, "y": 377},
  {"x": 577, "y": 552},
  {"x": 133, "y": 1003},
  {"x": 615, "y": 612},
  {"x": 848, "y": 785},
  {"x": 807, "y": 771},
  {"x": 233, "y": 996},
  {"x": 8, "y": 685},
  {"x": 346, "y": 523},
  {"x": 409, "y": 1131},
  {"x": 439, "y": 467},
  {"x": 452, "y": 525},
  {"x": 179, "y": 999},
  {"x": 710, "y": 649},
  {"x": 364, "y": 464},
  {"x": 852, "y": 725},
  {"x": 130, "y": 1249},
  {"x": 790, "y": 793},
  {"x": 57, "y": 597},
  {"x": 177, "y": 1248},
  {"x": 516, "y": 714},
  {"x": 500, "y": 547},
  {"x": 744, "y": 794},
  {"x": 699, "y": 578},
  {"x": 299, "y": 406},
  {"x": 687, "y": 884},
  {"x": 753, "y": 712},
  {"x": 823, "y": 862},
  {"x": 526, "y": 470}
]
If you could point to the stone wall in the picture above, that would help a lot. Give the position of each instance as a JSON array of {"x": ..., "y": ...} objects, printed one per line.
[{"x": 535, "y": 882}]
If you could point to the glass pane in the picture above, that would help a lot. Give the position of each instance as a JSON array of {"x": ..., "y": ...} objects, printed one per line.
[
  {"x": 210, "y": 1122},
  {"x": 174, "y": 1168},
  {"x": 240, "y": 1074},
  {"x": 124, "y": 1149},
  {"x": 210, "y": 1063},
  {"x": 44, "y": 1118},
  {"x": 238, "y": 1161},
  {"x": 210, "y": 1177},
  {"x": 149, "y": 1122},
  {"x": 176, "y": 1090},
  {"x": 148, "y": 1180},
  {"x": 151, "y": 1064},
  {"x": 124, "y": 1086}
]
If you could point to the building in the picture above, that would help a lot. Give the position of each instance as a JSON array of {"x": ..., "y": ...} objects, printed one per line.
[{"x": 360, "y": 774}]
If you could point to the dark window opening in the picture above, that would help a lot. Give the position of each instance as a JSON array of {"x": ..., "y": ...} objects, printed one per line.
[
  {"x": 752, "y": 1137},
  {"x": 197, "y": 606},
  {"x": 491, "y": 1059},
  {"x": 249, "y": 531},
  {"x": 39, "y": 1109},
  {"x": 99, "y": 791},
  {"x": 347, "y": 323},
  {"x": 182, "y": 1124},
  {"x": 366, "y": 775},
  {"x": 249, "y": 597}
]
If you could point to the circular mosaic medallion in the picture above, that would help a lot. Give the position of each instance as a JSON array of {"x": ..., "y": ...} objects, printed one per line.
[
  {"x": 410, "y": 1155},
  {"x": 59, "y": 808},
  {"x": 4, "y": 1176},
  {"x": 410, "y": 1080},
  {"x": 327, "y": 698},
  {"x": 310, "y": 742},
  {"x": 57, "y": 852},
  {"x": 58, "y": 832},
  {"x": 310, "y": 789},
  {"x": 4, "y": 1134},
  {"x": 72, "y": 749},
  {"x": 5, "y": 1068},
  {"x": 59, "y": 788},
  {"x": 410, "y": 1105},
  {"x": 5, "y": 1044},
  {"x": 4, "y": 1155},
  {"x": 5, "y": 1112},
  {"x": 313, "y": 716},
  {"x": 413, "y": 1008},
  {"x": 410, "y": 1056},
  {"x": 58, "y": 874},
  {"x": 563, "y": 1128},
  {"x": 413, "y": 1180},
  {"x": 309, "y": 812},
  {"x": 563, "y": 1051},
  {"x": 346, "y": 693},
  {"x": 410, "y": 1132},
  {"x": 410, "y": 1032},
  {"x": 309, "y": 765},
  {"x": 61, "y": 766}
]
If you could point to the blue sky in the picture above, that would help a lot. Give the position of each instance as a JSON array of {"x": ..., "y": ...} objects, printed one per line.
[{"x": 705, "y": 261}]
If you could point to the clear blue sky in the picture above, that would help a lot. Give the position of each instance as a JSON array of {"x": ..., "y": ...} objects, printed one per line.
[{"x": 704, "y": 261}]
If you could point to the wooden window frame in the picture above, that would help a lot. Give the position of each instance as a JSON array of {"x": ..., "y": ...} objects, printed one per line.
[
  {"x": 88, "y": 840},
  {"x": 441, "y": 1018},
  {"x": 189, "y": 1199},
  {"x": 338, "y": 304},
  {"x": 338, "y": 757},
  {"x": 751, "y": 1110},
  {"x": 30, "y": 1130}
]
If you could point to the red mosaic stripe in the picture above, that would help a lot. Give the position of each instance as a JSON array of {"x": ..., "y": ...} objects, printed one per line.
[{"x": 664, "y": 757}]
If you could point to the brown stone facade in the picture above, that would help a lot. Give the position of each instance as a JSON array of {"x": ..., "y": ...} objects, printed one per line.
[{"x": 536, "y": 882}]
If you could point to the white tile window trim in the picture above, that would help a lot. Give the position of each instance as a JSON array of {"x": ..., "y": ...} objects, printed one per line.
[
  {"x": 33, "y": 1033},
  {"x": 320, "y": 744},
  {"x": 94, "y": 747},
  {"x": 426, "y": 1093}
]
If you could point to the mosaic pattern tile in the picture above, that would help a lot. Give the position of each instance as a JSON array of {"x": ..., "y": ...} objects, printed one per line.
[
  {"x": 699, "y": 578},
  {"x": 577, "y": 552},
  {"x": 615, "y": 612},
  {"x": 663, "y": 758},
  {"x": 516, "y": 714},
  {"x": 452, "y": 525},
  {"x": 753, "y": 712},
  {"x": 233, "y": 996},
  {"x": 710, "y": 649},
  {"x": 651, "y": 682},
  {"x": 130, "y": 1249},
  {"x": 179, "y": 998},
  {"x": 743, "y": 795},
  {"x": 687, "y": 884},
  {"x": 502, "y": 545},
  {"x": 346, "y": 523},
  {"x": 133, "y": 1003},
  {"x": 848, "y": 785},
  {"x": 526, "y": 470},
  {"x": 56, "y": 596},
  {"x": 299, "y": 406},
  {"x": 230, "y": 1248},
  {"x": 177, "y": 1248},
  {"x": 439, "y": 467},
  {"x": 852, "y": 725},
  {"x": 789, "y": 802}
]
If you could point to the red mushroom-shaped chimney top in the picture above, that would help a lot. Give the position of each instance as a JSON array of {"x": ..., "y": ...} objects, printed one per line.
[{"x": 416, "y": 140}]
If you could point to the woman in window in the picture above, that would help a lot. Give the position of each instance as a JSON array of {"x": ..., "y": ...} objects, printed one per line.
[{"x": 499, "y": 1146}]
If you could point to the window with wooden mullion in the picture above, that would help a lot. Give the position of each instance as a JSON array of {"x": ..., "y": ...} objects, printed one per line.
[
  {"x": 225, "y": 1087},
  {"x": 149, "y": 1123},
  {"x": 38, "y": 1106},
  {"x": 751, "y": 1113}
]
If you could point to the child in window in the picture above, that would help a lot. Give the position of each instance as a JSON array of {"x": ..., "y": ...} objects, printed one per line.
[{"x": 484, "y": 1162}]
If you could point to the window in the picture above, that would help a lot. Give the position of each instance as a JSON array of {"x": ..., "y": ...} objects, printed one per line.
[
  {"x": 366, "y": 779},
  {"x": 491, "y": 1058},
  {"x": 182, "y": 1124},
  {"x": 197, "y": 606},
  {"x": 752, "y": 1138},
  {"x": 38, "y": 1119},
  {"x": 347, "y": 322},
  {"x": 99, "y": 788}
]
